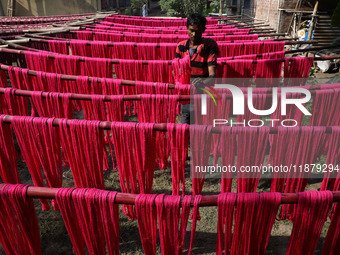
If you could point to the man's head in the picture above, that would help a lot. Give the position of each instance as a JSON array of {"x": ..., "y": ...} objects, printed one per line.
[{"x": 196, "y": 27}]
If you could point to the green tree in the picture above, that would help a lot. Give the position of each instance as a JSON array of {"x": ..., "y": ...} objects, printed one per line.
[
  {"x": 136, "y": 6},
  {"x": 183, "y": 8},
  {"x": 336, "y": 16}
]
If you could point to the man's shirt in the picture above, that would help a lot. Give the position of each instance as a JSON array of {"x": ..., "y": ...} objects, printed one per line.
[{"x": 205, "y": 55}]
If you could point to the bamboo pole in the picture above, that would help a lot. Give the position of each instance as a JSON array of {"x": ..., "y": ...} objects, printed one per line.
[
  {"x": 86, "y": 97},
  {"x": 46, "y": 40},
  {"x": 108, "y": 98},
  {"x": 291, "y": 21},
  {"x": 129, "y": 199},
  {"x": 160, "y": 127},
  {"x": 146, "y": 62},
  {"x": 221, "y": 7},
  {"x": 67, "y": 77},
  {"x": 311, "y": 27}
]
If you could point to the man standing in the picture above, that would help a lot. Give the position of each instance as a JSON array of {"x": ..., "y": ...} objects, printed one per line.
[
  {"x": 145, "y": 9},
  {"x": 203, "y": 54}
]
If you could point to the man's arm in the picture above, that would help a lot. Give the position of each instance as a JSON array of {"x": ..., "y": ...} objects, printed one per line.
[{"x": 209, "y": 81}]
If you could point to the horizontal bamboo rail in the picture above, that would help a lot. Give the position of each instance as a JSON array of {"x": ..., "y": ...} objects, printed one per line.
[{"x": 129, "y": 199}]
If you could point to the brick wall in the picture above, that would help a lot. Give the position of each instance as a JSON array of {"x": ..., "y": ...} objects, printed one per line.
[{"x": 268, "y": 11}]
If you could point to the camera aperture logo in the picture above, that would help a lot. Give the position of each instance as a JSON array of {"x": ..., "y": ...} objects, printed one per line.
[
  {"x": 213, "y": 98},
  {"x": 238, "y": 105}
]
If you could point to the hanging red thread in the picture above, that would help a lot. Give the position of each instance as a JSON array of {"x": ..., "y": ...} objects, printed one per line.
[
  {"x": 251, "y": 149},
  {"x": 101, "y": 49},
  {"x": 83, "y": 143},
  {"x": 332, "y": 155},
  {"x": 296, "y": 70},
  {"x": 80, "y": 48},
  {"x": 90, "y": 216},
  {"x": 332, "y": 241},
  {"x": 311, "y": 214},
  {"x": 200, "y": 138},
  {"x": 98, "y": 67},
  {"x": 84, "y": 35},
  {"x": 225, "y": 207},
  {"x": 40, "y": 61},
  {"x": 251, "y": 232},
  {"x": 18, "y": 82},
  {"x": 239, "y": 72},
  {"x": 147, "y": 222},
  {"x": 145, "y": 155},
  {"x": 158, "y": 109},
  {"x": 58, "y": 46},
  {"x": 123, "y": 140},
  {"x": 52, "y": 106},
  {"x": 178, "y": 136},
  {"x": 307, "y": 152},
  {"x": 169, "y": 217},
  {"x": 19, "y": 229},
  {"x": 22, "y": 127},
  {"x": 268, "y": 72},
  {"x": 8, "y": 154},
  {"x": 228, "y": 152}
]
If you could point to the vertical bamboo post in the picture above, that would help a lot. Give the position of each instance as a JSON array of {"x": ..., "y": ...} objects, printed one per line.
[
  {"x": 11, "y": 8},
  {"x": 311, "y": 27},
  {"x": 221, "y": 7}
]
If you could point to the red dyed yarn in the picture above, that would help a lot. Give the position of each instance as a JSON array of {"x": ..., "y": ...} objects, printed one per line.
[
  {"x": 332, "y": 155},
  {"x": 297, "y": 68},
  {"x": 51, "y": 105},
  {"x": 251, "y": 148},
  {"x": 225, "y": 207},
  {"x": 83, "y": 143},
  {"x": 200, "y": 137},
  {"x": 332, "y": 241},
  {"x": 90, "y": 216},
  {"x": 307, "y": 152},
  {"x": 268, "y": 72},
  {"x": 123, "y": 140},
  {"x": 169, "y": 216},
  {"x": 311, "y": 214},
  {"x": 147, "y": 222},
  {"x": 101, "y": 49},
  {"x": 98, "y": 67},
  {"x": 80, "y": 48},
  {"x": 252, "y": 230},
  {"x": 195, "y": 216},
  {"x": 19, "y": 229},
  {"x": 22, "y": 127},
  {"x": 58, "y": 46},
  {"x": 158, "y": 109},
  {"x": 17, "y": 81},
  {"x": 228, "y": 152},
  {"x": 132, "y": 140},
  {"x": 178, "y": 136},
  {"x": 8, "y": 154}
]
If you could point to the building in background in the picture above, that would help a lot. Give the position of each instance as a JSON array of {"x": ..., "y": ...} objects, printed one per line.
[
  {"x": 281, "y": 14},
  {"x": 60, "y": 7}
]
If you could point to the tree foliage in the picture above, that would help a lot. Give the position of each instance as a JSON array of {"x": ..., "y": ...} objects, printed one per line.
[
  {"x": 136, "y": 6},
  {"x": 336, "y": 16},
  {"x": 183, "y": 8}
]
